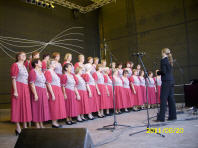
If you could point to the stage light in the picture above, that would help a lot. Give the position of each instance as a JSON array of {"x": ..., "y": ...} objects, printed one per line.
[
  {"x": 48, "y": 5},
  {"x": 52, "y": 4},
  {"x": 44, "y": 4},
  {"x": 33, "y": 1},
  {"x": 38, "y": 2}
]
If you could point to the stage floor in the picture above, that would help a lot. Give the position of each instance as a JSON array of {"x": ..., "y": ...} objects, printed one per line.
[{"x": 120, "y": 137}]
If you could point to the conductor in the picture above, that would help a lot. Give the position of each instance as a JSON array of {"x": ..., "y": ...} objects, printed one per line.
[{"x": 167, "y": 87}]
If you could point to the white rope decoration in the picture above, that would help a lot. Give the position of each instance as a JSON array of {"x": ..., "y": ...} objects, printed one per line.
[{"x": 6, "y": 43}]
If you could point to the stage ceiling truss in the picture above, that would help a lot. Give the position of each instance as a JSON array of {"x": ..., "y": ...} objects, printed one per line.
[{"x": 83, "y": 6}]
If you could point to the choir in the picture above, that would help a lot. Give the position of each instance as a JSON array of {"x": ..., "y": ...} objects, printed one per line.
[{"x": 54, "y": 91}]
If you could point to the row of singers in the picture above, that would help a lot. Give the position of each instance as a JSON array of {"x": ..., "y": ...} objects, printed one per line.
[{"x": 41, "y": 96}]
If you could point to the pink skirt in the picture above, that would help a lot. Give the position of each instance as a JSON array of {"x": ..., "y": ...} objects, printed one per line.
[
  {"x": 138, "y": 99},
  {"x": 158, "y": 94},
  {"x": 71, "y": 103},
  {"x": 40, "y": 108},
  {"x": 103, "y": 96},
  {"x": 143, "y": 92},
  {"x": 94, "y": 100},
  {"x": 128, "y": 98},
  {"x": 118, "y": 91},
  {"x": 57, "y": 107},
  {"x": 21, "y": 106},
  {"x": 109, "y": 102},
  {"x": 83, "y": 103},
  {"x": 151, "y": 95}
]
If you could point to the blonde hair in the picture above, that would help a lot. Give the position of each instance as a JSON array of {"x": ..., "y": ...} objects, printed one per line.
[
  {"x": 67, "y": 55},
  {"x": 49, "y": 62},
  {"x": 80, "y": 56},
  {"x": 168, "y": 53},
  {"x": 78, "y": 69}
]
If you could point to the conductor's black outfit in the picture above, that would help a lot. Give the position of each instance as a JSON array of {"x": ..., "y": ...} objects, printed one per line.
[{"x": 167, "y": 91}]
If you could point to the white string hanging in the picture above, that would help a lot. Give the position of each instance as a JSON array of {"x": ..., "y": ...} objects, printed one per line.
[
  {"x": 26, "y": 43},
  {"x": 69, "y": 45},
  {"x": 58, "y": 35},
  {"x": 67, "y": 48}
]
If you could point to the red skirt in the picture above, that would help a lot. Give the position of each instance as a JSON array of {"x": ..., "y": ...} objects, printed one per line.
[
  {"x": 151, "y": 95},
  {"x": 94, "y": 100},
  {"x": 118, "y": 91},
  {"x": 57, "y": 107},
  {"x": 138, "y": 99},
  {"x": 109, "y": 102},
  {"x": 158, "y": 94},
  {"x": 103, "y": 96},
  {"x": 128, "y": 98},
  {"x": 21, "y": 106},
  {"x": 83, "y": 103},
  {"x": 40, "y": 108},
  {"x": 71, "y": 103},
  {"x": 143, "y": 92}
]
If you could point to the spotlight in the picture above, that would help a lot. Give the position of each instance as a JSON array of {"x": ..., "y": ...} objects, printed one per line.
[
  {"x": 48, "y": 5},
  {"x": 33, "y": 1},
  {"x": 44, "y": 4},
  {"x": 52, "y": 5},
  {"x": 41, "y": 3},
  {"x": 38, "y": 2}
]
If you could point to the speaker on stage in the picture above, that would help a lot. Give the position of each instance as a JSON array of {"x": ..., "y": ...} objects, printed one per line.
[{"x": 54, "y": 138}]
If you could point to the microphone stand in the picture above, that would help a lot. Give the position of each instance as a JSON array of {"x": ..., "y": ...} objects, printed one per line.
[
  {"x": 115, "y": 124},
  {"x": 148, "y": 119}
]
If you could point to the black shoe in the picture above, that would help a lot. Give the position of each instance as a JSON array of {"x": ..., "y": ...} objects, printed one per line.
[
  {"x": 17, "y": 133},
  {"x": 159, "y": 120},
  {"x": 54, "y": 126},
  {"x": 110, "y": 114},
  {"x": 172, "y": 119},
  {"x": 68, "y": 122}
]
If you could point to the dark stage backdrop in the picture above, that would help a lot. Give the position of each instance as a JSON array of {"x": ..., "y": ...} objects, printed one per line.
[
  {"x": 150, "y": 25},
  {"x": 21, "y": 20}
]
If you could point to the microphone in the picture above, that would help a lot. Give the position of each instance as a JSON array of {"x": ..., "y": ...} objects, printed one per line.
[{"x": 139, "y": 54}]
